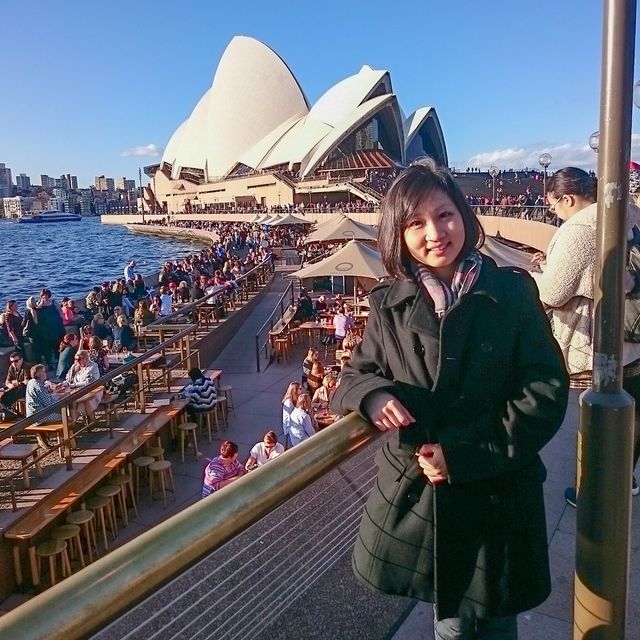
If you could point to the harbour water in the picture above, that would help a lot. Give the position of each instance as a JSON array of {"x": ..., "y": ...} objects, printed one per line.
[{"x": 71, "y": 257}]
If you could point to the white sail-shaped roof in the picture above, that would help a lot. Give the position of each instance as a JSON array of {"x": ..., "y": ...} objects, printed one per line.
[{"x": 255, "y": 114}]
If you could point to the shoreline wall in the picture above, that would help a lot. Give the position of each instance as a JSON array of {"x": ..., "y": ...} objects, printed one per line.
[{"x": 196, "y": 235}]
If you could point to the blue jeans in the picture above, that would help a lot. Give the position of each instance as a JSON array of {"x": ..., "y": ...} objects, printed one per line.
[{"x": 475, "y": 629}]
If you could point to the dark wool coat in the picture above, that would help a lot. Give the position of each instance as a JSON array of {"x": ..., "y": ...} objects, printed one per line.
[{"x": 489, "y": 384}]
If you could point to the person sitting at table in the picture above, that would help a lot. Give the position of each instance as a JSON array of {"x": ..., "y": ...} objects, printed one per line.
[
  {"x": 100, "y": 329},
  {"x": 155, "y": 305},
  {"x": 139, "y": 290},
  {"x": 182, "y": 293},
  {"x": 38, "y": 397},
  {"x": 223, "y": 469},
  {"x": 262, "y": 452},
  {"x": 289, "y": 404},
  {"x": 83, "y": 372},
  {"x": 307, "y": 364},
  {"x": 301, "y": 422},
  {"x": 123, "y": 336},
  {"x": 322, "y": 396},
  {"x": 202, "y": 393},
  {"x": 314, "y": 379},
  {"x": 142, "y": 314},
  {"x": 66, "y": 351},
  {"x": 166, "y": 300},
  {"x": 15, "y": 384},
  {"x": 342, "y": 323},
  {"x": 304, "y": 309},
  {"x": 113, "y": 318},
  {"x": 351, "y": 340},
  {"x": 320, "y": 305},
  {"x": 98, "y": 354},
  {"x": 70, "y": 316}
]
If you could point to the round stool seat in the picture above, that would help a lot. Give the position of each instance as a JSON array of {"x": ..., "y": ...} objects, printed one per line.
[
  {"x": 155, "y": 452},
  {"x": 120, "y": 479},
  {"x": 50, "y": 548},
  {"x": 188, "y": 426},
  {"x": 188, "y": 429},
  {"x": 97, "y": 502},
  {"x": 225, "y": 387},
  {"x": 80, "y": 517},
  {"x": 143, "y": 461},
  {"x": 65, "y": 532},
  {"x": 160, "y": 465},
  {"x": 108, "y": 491}
]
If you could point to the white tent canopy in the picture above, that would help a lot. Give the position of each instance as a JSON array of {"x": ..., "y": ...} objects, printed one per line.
[
  {"x": 290, "y": 219},
  {"x": 343, "y": 228},
  {"x": 354, "y": 259}
]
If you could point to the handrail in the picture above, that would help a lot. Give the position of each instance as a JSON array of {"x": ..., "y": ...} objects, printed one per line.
[
  {"x": 87, "y": 600},
  {"x": 270, "y": 323}
]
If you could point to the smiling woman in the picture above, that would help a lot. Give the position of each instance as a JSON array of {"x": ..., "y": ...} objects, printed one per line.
[{"x": 459, "y": 363}]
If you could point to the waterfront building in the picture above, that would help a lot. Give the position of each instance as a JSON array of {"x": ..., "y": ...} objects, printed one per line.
[
  {"x": 12, "y": 207},
  {"x": 56, "y": 203},
  {"x": 86, "y": 198},
  {"x": 6, "y": 182},
  {"x": 69, "y": 203},
  {"x": 23, "y": 181},
  {"x": 73, "y": 182},
  {"x": 124, "y": 184},
  {"x": 269, "y": 146},
  {"x": 101, "y": 183},
  {"x": 47, "y": 181}
]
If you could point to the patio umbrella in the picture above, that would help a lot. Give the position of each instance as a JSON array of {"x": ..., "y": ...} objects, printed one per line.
[
  {"x": 504, "y": 255},
  {"x": 341, "y": 227},
  {"x": 290, "y": 219}
]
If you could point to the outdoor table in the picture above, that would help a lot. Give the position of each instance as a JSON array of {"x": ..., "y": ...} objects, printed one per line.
[
  {"x": 313, "y": 327},
  {"x": 324, "y": 419}
]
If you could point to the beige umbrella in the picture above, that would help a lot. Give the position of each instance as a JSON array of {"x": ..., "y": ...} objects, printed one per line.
[
  {"x": 341, "y": 228},
  {"x": 290, "y": 219},
  {"x": 354, "y": 259}
]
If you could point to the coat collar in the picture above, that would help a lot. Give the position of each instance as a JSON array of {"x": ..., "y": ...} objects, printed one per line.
[{"x": 401, "y": 291}]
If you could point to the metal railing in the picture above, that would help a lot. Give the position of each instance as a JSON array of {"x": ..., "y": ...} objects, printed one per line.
[
  {"x": 522, "y": 212},
  {"x": 90, "y": 598},
  {"x": 263, "y": 343}
]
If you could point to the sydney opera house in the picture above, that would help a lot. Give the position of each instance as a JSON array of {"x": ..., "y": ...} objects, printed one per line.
[{"x": 253, "y": 139}]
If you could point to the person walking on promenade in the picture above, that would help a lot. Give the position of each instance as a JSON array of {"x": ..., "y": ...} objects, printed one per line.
[
  {"x": 51, "y": 325},
  {"x": 34, "y": 339},
  {"x": 566, "y": 285},
  {"x": 223, "y": 469},
  {"x": 459, "y": 363}
]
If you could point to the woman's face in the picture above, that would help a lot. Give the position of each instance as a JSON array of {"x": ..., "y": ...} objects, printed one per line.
[
  {"x": 560, "y": 205},
  {"x": 434, "y": 234}
]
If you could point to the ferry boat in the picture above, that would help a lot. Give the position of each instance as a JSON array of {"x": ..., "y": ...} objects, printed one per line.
[{"x": 49, "y": 216}]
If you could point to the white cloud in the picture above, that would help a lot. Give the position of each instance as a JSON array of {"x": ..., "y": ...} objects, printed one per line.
[
  {"x": 562, "y": 154},
  {"x": 143, "y": 151}
]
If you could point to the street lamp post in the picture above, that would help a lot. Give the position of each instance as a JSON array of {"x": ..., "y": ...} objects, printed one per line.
[
  {"x": 493, "y": 172},
  {"x": 594, "y": 141},
  {"x": 310, "y": 200},
  {"x": 544, "y": 161}
]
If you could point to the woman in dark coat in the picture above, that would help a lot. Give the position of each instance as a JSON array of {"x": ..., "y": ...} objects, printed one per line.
[{"x": 459, "y": 363}]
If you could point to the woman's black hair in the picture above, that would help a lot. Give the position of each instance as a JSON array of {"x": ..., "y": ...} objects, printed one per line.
[
  {"x": 572, "y": 181},
  {"x": 409, "y": 189}
]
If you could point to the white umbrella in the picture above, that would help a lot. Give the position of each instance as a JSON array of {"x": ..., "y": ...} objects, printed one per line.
[
  {"x": 289, "y": 219},
  {"x": 341, "y": 227},
  {"x": 354, "y": 259},
  {"x": 504, "y": 255}
]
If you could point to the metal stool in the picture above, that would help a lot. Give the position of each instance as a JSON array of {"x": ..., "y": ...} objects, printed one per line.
[
  {"x": 70, "y": 533},
  {"x": 84, "y": 519},
  {"x": 114, "y": 493},
  {"x": 51, "y": 549},
  {"x": 161, "y": 467},
  {"x": 186, "y": 429},
  {"x": 125, "y": 482},
  {"x": 98, "y": 504},
  {"x": 141, "y": 463},
  {"x": 227, "y": 390}
]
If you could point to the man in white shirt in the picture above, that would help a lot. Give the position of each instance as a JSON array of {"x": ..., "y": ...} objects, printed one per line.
[
  {"x": 129, "y": 271},
  {"x": 264, "y": 451}
]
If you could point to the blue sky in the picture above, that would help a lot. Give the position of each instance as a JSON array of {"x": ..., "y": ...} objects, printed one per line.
[{"x": 85, "y": 83}]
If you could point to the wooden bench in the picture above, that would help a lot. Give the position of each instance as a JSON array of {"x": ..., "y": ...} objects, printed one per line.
[
  {"x": 60, "y": 500},
  {"x": 49, "y": 428},
  {"x": 22, "y": 453}
]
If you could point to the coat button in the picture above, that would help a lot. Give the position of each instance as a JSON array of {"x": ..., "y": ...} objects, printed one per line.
[
  {"x": 419, "y": 350},
  {"x": 494, "y": 499}
]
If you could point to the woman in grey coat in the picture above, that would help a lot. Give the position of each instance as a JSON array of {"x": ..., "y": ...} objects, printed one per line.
[{"x": 458, "y": 362}]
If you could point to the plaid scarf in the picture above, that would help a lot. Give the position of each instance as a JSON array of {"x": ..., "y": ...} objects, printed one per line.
[{"x": 443, "y": 296}]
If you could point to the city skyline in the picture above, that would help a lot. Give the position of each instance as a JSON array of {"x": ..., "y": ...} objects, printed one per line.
[{"x": 503, "y": 93}]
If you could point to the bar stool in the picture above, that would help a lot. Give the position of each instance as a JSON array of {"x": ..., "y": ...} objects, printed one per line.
[
  {"x": 296, "y": 335},
  {"x": 281, "y": 346},
  {"x": 221, "y": 404},
  {"x": 141, "y": 463},
  {"x": 70, "y": 533},
  {"x": 203, "y": 418},
  {"x": 114, "y": 493},
  {"x": 98, "y": 504},
  {"x": 125, "y": 482},
  {"x": 187, "y": 429},
  {"x": 51, "y": 549},
  {"x": 156, "y": 452},
  {"x": 84, "y": 519},
  {"x": 163, "y": 469},
  {"x": 227, "y": 390}
]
